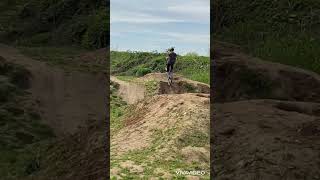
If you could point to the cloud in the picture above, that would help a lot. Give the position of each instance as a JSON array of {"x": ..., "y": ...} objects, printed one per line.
[
  {"x": 193, "y": 9},
  {"x": 153, "y": 12},
  {"x": 149, "y": 24},
  {"x": 141, "y": 18},
  {"x": 188, "y": 37}
]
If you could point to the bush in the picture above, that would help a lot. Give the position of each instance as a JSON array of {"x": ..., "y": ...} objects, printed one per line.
[
  {"x": 20, "y": 77},
  {"x": 6, "y": 89},
  {"x": 192, "y": 54},
  {"x": 143, "y": 71},
  {"x": 96, "y": 34},
  {"x": 281, "y": 31}
]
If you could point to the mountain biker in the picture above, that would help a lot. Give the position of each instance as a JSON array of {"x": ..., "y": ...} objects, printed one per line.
[{"x": 171, "y": 59}]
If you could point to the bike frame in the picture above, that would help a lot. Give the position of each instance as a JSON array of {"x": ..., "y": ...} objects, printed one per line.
[{"x": 170, "y": 76}]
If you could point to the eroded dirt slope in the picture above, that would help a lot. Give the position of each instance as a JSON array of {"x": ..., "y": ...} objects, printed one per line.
[
  {"x": 238, "y": 76},
  {"x": 266, "y": 139},
  {"x": 163, "y": 131},
  {"x": 255, "y": 138},
  {"x": 129, "y": 92},
  {"x": 66, "y": 99},
  {"x": 79, "y": 156},
  {"x": 167, "y": 133}
]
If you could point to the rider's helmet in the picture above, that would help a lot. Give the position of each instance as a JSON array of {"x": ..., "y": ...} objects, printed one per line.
[{"x": 171, "y": 49}]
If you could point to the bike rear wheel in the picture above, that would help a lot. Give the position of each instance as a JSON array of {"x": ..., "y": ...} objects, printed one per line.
[{"x": 169, "y": 78}]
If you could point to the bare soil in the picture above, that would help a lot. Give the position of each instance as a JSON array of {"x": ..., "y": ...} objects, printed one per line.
[
  {"x": 129, "y": 92},
  {"x": 74, "y": 105},
  {"x": 66, "y": 99},
  {"x": 172, "y": 118},
  {"x": 163, "y": 125},
  {"x": 266, "y": 121},
  {"x": 180, "y": 84}
]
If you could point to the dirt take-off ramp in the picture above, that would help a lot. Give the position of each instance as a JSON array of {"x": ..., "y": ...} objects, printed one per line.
[
  {"x": 168, "y": 125},
  {"x": 66, "y": 99}
]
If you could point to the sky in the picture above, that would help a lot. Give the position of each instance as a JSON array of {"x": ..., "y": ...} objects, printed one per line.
[{"x": 149, "y": 25}]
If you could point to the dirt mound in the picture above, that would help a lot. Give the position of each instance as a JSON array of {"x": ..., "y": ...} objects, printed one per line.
[
  {"x": 129, "y": 92},
  {"x": 81, "y": 156},
  {"x": 164, "y": 129},
  {"x": 238, "y": 76},
  {"x": 180, "y": 85},
  {"x": 266, "y": 139},
  {"x": 71, "y": 103},
  {"x": 67, "y": 100}
]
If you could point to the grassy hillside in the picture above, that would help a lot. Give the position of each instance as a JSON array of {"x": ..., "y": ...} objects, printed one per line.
[
  {"x": 117, "y": 109},
  {"x": 140, "y": 63},
  {"x": 20, "y": 125},
  {"x": 281, "y": 31},
  {"x": 54, "y": 22}
]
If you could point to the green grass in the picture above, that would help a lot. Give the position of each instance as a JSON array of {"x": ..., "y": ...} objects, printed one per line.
[
  {"x": 126, "y": 78},
  {"x": 42, "y": 22},
  {"x": 143, "y": 157},
  {"x": 140, "y": 63},
  {"x": 118, "y": 109},
  {"x": 280, "y": 31},
  {"x": 52, "y": 55},
  {"x": 21, "y": 128},
  {"x": 63, "y": 57},
  {"x": 151, "y": 87},
  {"x": 194, "y": 139}
]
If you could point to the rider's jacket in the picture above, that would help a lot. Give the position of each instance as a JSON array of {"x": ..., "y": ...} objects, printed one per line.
[{"x": 171, "y": 59}]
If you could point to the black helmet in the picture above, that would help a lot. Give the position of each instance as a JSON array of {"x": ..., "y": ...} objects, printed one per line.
[{"x": 171, "y": 49}]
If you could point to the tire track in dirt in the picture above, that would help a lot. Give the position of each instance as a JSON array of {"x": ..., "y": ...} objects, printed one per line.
[{"x": 66, "y": 99}]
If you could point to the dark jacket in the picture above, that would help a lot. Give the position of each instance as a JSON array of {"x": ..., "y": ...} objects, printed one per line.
[{"x": 171, "y": 58}]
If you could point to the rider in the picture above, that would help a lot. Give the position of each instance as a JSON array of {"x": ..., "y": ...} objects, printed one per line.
[{"x": 171, "y": 59}]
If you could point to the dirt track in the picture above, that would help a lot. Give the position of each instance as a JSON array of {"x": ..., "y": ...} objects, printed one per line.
[{"x": 66, "y": 100}]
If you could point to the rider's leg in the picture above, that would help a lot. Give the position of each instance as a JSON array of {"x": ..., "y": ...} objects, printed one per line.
[
  {"x": 168, "y": 67},
  {"x": 171, "y": 70}
]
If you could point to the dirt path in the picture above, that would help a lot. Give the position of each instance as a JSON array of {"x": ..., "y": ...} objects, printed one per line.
[
  {"x": 66, "y": 100},
  {"x": 129, "y": 92}
]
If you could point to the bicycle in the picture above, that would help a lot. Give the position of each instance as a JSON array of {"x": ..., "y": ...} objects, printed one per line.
[{"x": 169, "y": 76}]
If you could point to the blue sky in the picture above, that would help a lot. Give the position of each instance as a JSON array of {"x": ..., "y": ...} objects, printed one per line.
[{"x": 147, "y": 25}]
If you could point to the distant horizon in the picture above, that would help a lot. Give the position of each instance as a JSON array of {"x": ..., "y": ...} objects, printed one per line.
[
  {"x": 152, "y": 51},
  {"x": 148, "y": 26}
]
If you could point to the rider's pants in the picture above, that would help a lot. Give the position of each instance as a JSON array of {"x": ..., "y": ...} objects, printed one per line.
[{"x": 170, "y": 67}]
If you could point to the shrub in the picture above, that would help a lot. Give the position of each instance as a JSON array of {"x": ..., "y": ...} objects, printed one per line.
[
  {"x": 143, "y": 71},
  {"x": 96, "y": 34},
  {"x": 6, "y": 89}
]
